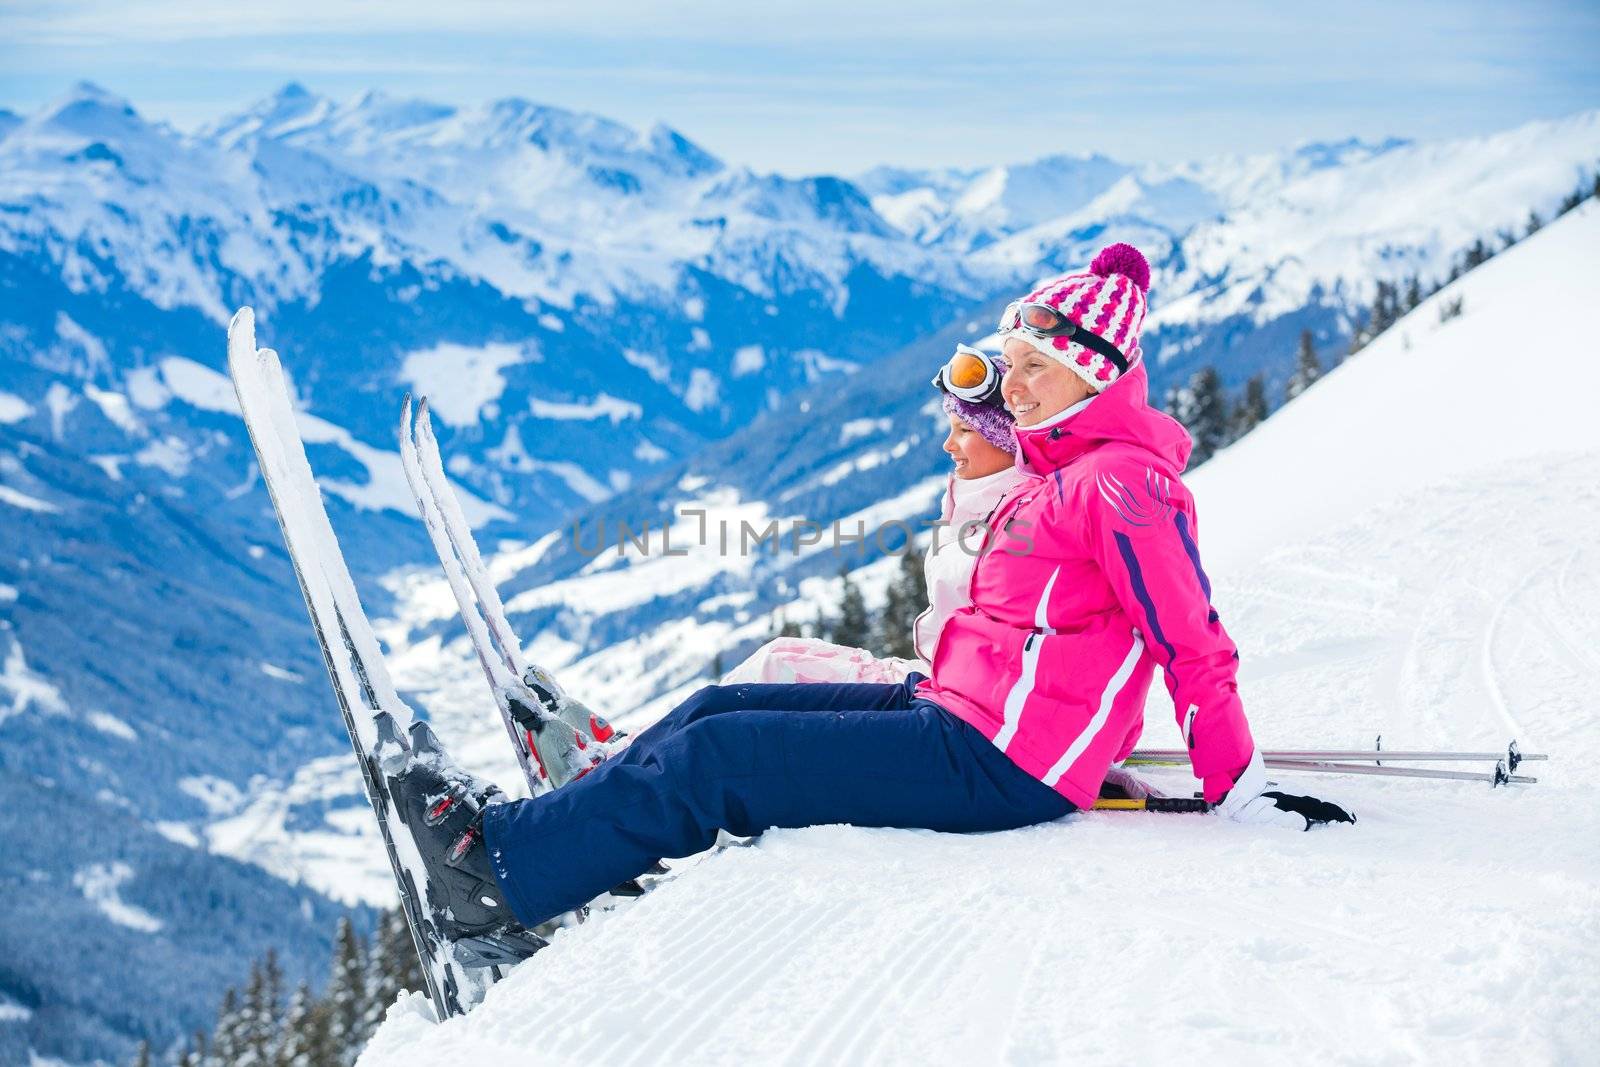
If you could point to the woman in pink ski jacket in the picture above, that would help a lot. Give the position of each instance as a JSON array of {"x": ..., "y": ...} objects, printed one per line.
[
  {"x": 1088, "y": 585},
  {"x": 982, "y": 449},
  {"x": 1092, "y": 582}
]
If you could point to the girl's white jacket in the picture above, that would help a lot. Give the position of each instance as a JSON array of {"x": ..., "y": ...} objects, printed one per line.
[{"x": 948, "y": 569}]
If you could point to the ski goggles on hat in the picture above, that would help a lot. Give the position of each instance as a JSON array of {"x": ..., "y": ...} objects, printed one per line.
[
  {"x": 1042, "y": 320},
  {"x": 972, "y": 376}
]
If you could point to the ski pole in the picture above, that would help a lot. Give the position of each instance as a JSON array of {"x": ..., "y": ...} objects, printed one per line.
[
  {"x": 1498, "y": 776},
  {"x": 1167, "y": 805},
  {"x": 1334, "y": 755}
]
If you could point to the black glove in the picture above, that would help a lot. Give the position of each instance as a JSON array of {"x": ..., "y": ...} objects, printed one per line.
[
  {"x": 1316, "y": 812},
  {"x": 1250, "y": 801}
]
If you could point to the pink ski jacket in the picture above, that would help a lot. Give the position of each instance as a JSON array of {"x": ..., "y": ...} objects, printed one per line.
[
  {"x": 948, "y": 569},
  {"x": 1089, "y": 581}
]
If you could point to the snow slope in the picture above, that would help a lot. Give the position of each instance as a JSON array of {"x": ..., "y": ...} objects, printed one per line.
[{"x": 1407, "y": 549}]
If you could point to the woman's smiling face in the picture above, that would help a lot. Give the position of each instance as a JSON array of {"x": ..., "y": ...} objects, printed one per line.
[{"x": 1037, "y": 387}]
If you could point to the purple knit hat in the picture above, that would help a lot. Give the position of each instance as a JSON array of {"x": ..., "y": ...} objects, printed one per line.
[{"x": 993, "y": 424}]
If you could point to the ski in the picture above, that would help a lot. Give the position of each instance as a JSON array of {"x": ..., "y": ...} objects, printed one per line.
[
  {"x": 556, "y": 739},
  {"x": 526, "y": 721},
  {"x": 559, "y": 734},
  {"x": 374, "y": 716},
  {"x": 435, "y": 494}
]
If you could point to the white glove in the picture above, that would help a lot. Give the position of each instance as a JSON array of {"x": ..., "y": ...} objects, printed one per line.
[{"x": 1251, "y": 801}]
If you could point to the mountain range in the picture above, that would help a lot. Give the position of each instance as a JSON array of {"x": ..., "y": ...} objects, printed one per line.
[{"x": 611, "y": 325}]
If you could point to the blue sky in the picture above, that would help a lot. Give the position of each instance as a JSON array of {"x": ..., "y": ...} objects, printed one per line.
[{"x": 840, "y": 86}]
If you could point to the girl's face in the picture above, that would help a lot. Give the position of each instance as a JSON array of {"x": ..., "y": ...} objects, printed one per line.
[
  {"x": 1037, "y": 387},
  {"x": 973, "y": 456}
]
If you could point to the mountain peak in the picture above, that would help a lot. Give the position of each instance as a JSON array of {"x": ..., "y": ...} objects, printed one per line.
[
  {"x": 382, "y": 113},
  {"x": 87, "y": 110},
  {"x": 670, "y": 144},
  {"x": 290, "y": 108},
  {"x": 1333, "y": 153},
  {"x": 89, "y": 92}
]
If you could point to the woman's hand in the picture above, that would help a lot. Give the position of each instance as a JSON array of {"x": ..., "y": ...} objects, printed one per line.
[{"x": 1251, "y": 801}]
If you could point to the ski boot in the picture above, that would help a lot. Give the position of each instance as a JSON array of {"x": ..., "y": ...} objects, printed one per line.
[
  {"x": 574, "y": 712},
  {"x": 566, "y": 738},
  {"x": 443, "y": 808}
]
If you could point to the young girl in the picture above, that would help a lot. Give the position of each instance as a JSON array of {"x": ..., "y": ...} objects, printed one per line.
[
  {"x": 982, "y": 448},
  {"x": 1089, "y": 583}
]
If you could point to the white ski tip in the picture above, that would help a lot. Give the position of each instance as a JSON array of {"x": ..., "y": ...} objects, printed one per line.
[{"x": 241, "y": 335}]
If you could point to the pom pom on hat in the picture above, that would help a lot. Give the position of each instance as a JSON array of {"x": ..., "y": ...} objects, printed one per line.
[{"x": 1123, "y": 259}]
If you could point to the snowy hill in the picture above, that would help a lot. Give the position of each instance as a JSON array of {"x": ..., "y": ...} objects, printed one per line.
[{"x": 1406, "y": 549}]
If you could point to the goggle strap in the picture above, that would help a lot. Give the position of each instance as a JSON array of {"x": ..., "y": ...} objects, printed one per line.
[
  {"x": 1081, "y": 334},
  {"x": 1094, "y": 342}
]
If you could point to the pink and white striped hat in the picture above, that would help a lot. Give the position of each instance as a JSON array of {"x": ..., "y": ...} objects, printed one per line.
[{"x": 1108, "y": 301}]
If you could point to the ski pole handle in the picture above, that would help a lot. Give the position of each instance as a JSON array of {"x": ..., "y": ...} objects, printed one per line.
[{"x": 1168, "y": 805}]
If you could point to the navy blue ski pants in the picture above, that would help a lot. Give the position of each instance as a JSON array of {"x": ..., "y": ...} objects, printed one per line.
[{"x": 747, "y": 758}]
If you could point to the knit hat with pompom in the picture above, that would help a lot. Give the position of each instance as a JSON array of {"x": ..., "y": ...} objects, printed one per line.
[{"x": 1109, "y": 301}]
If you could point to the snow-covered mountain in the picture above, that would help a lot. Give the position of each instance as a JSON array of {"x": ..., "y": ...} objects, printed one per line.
[
  {"x": 603, "y": 292},
  {"x": 1404, "y": 550},
  {"x": 610, "y": 324},
  {"x": 1249, "y": 250}
]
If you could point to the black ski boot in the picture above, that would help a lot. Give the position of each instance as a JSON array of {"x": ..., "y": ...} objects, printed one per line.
[{"x": 443, "y": 808}]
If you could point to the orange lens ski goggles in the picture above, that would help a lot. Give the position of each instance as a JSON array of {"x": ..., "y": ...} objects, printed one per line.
[{"x": 972, "y": 376}]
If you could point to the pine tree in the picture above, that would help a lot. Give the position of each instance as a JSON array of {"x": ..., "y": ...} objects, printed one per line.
[
  {"x": 788, "y": 628},
  {"x": 346, "y": 995},
  {"x": 305, "y": 1033},
  {"x": 1202, "y": 407},
  {"x": 907, "y": 597},
  {"x": 197, "y": 1054},
  {"x": 716, "y": 672},
  {"x": 853, "y": 627},
  {"x": 1385, "y": 310},
  {"x": 143, "y": 1058},
  {"x": 272, "y": 1001},
  {"x": 1413, "y": 293},
  {"x": 1535, "y": 223},
  {"x": 1251, "y": 410},
  {"x": 253, "y": 1030},
  {"x": 227, "y": 1036},
  {"x": 394, "y": 968},
  {"x": 1476, "y": 256},
  {"x": 1307, "y": 368}
]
